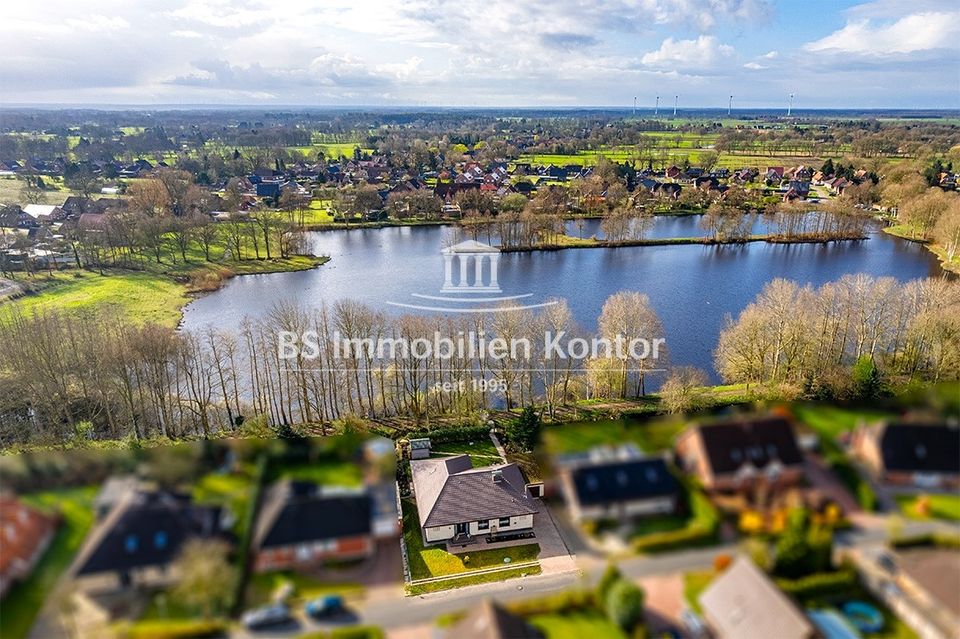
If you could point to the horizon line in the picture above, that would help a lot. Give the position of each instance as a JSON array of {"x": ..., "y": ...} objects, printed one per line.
[{"x": 664, "y": 113}]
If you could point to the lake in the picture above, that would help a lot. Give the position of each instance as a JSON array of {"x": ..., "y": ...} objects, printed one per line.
[{"x": 691, "y": 287}]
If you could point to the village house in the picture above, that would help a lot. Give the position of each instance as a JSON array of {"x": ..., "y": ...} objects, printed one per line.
[
  {"x": 302, "y": 523},
  {"x": 744, "y": 603},
  {"x": 617, "y": 485},
  {"x": 902, "y": 454},
  {"x": 740, "y": 454},
  {"x": 25, "y": 534},
  {"x": 141, "y": 537},
  {"x": 44, "y": 213},
  {"x": 458, "y": 503}
]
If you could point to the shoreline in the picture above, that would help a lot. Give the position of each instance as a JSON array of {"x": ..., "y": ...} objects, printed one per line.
[
  {"x": 207, "y": 277},
  {"x": 937, "y": 251},
  {"x": 678, "y": 241}
]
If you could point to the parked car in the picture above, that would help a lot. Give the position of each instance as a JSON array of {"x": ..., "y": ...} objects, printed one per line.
[
  {"x": 325, "y": 606},
  {"x": 693, "y": 623},
  {"x": 275, "y": 615},
  {"x": 887, "y": 562}
]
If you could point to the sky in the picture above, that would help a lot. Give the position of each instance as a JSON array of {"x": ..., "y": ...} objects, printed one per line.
[{"x": 829, "y": 53}]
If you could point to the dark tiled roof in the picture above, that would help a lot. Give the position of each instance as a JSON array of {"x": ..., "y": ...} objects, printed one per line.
[
  {"x": 623, "y": 481},
  {"x": 490, "y": 621},
  {"x": 921, "y": 448},
  {"x": 449, "y": 491},
  {"x": 300, "y": 512},
  {"x": 757, "y": 442},
  {"x": 146, "y": 529}
]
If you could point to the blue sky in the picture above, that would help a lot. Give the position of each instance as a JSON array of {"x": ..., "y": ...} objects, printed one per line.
[{"x": 831, "y": 54}]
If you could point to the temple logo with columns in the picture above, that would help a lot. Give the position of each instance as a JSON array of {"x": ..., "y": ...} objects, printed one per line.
[{"x": 475, "y": 271}]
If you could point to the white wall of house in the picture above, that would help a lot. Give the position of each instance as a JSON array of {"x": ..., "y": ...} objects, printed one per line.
[
  {"x": 496, "y": 525},
  {"x": 639, "y": 508},
  {"x": 438, "y": 534}
]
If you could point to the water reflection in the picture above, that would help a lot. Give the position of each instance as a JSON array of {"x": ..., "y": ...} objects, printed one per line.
[{"x": 692, "y": 287}]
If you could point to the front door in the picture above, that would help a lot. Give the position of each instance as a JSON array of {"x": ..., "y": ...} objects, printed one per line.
[{"x": 461, "y": 529}]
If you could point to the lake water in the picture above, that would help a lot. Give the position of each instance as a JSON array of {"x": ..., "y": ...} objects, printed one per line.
[{"x": 691, "y": 287}]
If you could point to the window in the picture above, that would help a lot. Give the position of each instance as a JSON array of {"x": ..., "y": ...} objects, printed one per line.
[
  {"x": 160, "y": 540},
  {"x": 303, "y": 552},
  {"x": 130, "y": 543},
  {"x": 504, "y": 521},
  {"x": 483, "y": 525}
]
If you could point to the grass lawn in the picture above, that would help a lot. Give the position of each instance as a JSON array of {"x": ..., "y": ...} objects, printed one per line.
[
  {"x": 263, "y": 586},
  {"x": 472, "y": 580},
  {"x": 575, "y": 625},
  {"x": 329, "y": 472},
  {"x": 437, "y": 562},
  {"x": 695, "y": 583},
  {"x": 941, "y": 507},
  {"x": 482, "y": 452},
  {"x": 650, "y": 436},
  {"x": 830, "y": 421},
  {"x": 232, "y": 490},
  {"x": 23, "y": 602},
  {"x": 143, "y": 297}
]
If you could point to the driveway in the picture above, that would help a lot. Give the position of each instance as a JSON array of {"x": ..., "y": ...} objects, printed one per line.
[
  {"x": 555, "y": 557},
  {"x": 827, "y": 483},
  {"x": 664, "y": 602}
]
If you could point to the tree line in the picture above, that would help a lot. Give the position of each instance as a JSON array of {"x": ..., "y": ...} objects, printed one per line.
[
  {"x": 100, "y": 376},
  {"x": 808, "y": 340}
]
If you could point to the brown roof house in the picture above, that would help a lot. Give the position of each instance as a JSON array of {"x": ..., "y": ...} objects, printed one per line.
[
  {"x": 490, "y": 621},
  {"x": 738, "y": 455},
  {"x": 25, "y": 534},
  {"x": 921, "y": 455},
  {"x": 743, "y": 603},
  {"x": 458, "y": 503}
]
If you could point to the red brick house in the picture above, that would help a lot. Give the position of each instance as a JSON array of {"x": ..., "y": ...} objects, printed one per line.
[
  {"x": 302, "y": 524},
  {"x": 740, "y": 454},
  {"x": 921, "y": 455}
]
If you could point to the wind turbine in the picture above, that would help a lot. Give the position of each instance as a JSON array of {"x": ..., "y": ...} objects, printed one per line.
[
  {"x": 790, "y": 106},
  {"x": 676, "y": 99},
  {"x": 656, "y": 110},
  {"x": 730, "y": 105},
  {"x": 634, "y": 105}
]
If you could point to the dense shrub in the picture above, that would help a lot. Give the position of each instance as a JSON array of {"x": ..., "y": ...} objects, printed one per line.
[
  {"x": 609, "y": 577},
  {"x": 625, "y": 605}
]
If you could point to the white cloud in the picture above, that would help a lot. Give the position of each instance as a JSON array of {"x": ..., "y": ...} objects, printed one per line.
[
  {"x": 704, "y": 53},
  {"x": 911, "y": 33}
]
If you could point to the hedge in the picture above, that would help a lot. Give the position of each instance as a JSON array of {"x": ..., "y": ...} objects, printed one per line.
[
  {"x": 938, "y": 540},
  {"x": 175, "y": 629},
  {"x": 821, "y": 584},
  {"x": 694, "y": 535},
  {"x": 450, "y": 434},
  {"x": 346, "y": 632},
  {"x": 559, "y": 603},
  {"x": 701, "y": 530}
]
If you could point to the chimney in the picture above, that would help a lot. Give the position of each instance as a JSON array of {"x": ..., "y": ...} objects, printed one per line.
[{"x": 497, "y": 476}]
